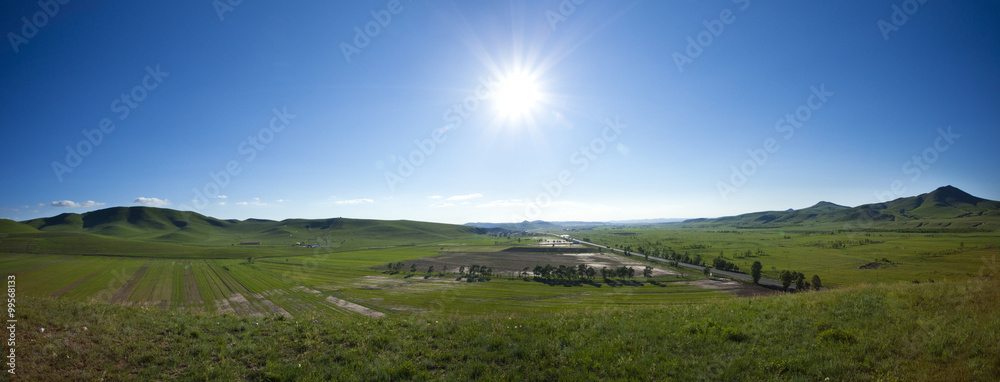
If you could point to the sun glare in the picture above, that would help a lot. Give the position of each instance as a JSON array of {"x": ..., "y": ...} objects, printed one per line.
[{"x": 516, "y": 95}]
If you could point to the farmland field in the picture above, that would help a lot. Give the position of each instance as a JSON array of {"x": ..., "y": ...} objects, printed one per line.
[
  {"x": 300, "y": 282},
  {"x": 284, "y": 311},
  {"x": 310, "y": 285}
]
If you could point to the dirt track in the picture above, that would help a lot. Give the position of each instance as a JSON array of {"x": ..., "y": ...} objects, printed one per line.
[{"x": 733, "y": 287}]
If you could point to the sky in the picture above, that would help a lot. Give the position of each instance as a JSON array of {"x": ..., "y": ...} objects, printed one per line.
[{"x": 494, "y": 111}]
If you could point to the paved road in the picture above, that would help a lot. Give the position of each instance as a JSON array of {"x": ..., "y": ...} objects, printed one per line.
[{"x": 741, "y": 276}]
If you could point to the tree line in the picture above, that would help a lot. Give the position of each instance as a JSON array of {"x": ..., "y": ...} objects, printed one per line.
[{"x": 582, "y": 271}]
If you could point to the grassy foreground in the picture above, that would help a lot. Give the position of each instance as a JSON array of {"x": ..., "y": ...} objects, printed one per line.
[{"x": 928, "y": 331}]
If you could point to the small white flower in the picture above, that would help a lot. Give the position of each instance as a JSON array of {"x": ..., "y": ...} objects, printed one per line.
[{"x": 42, "y": 330}]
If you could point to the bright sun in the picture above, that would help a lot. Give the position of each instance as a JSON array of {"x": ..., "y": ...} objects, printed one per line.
[{"x": 516, "y": 95}]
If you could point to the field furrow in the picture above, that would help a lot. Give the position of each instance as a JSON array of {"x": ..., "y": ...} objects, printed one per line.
[
  {"x": 125, "y": 291},
  {"x": 78, "y": 282},
  {"x": 191, "y": 294}
]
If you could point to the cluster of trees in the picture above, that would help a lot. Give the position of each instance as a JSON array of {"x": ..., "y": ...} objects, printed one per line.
[
  {"x": 720, "y": 263},
  {"x": 398, "y": 267},
  {"x": 563, "y": 272},
  {"x": 748, "y": 253},
  {"x": 620, "y": 272},
  {"x": 475, "y": 270},
  {"x": 801, "y": 285},
  {"x": 685, "y": 258},
  {"x": 582, "y": 271},
  {"x": 837, "y": 244}
]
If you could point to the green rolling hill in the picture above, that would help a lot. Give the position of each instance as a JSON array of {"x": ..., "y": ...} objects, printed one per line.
[
  {"x": 944, "y": 208},
  {"x": 9, "y": 226},
  {"x": 143, "y": 231}
]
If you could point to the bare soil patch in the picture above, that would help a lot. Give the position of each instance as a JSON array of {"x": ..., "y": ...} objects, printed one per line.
[
  {"x": 733, "y": 287},
  {"x": 874, "y": 266},
  {"x": 354, "y": 307},
  {"x": 243, "y": 306},
  {"x": 223, "y": 307}
]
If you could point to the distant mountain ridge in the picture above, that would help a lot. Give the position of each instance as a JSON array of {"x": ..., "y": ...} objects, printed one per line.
[
  {"x": 940, "y": 207},
  {"x": 167, "y": 225}
]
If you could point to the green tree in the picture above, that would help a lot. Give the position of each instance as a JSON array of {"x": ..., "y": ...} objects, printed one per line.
[
  {"x": 461, "y": 270},
  {"x": 430, "y": 270},
  {"x": 755, "y": 270},
  {"x": 647, "y": 272},
  {"x": 816, "y": 282},
  {"x": 413, "y": 268},
  {"x": 707, "y": 271},
  {"x": 800, "y": 282},
  {"x": 786, "y": 279}
]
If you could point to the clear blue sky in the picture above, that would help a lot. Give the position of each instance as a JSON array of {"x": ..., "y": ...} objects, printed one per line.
[{"x": 181, "y": 90}]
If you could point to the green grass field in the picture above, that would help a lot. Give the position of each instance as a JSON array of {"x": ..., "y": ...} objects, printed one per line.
[
  {"x": 298, "y": 282},
  {"x": 889, "y": 332},
  {"x": 297, "y": 286},
  {"x": 834, "y": 255},
  {"x": 166, "y": 306}
]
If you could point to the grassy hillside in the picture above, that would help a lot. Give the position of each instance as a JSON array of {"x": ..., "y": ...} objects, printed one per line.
[
  {"x": 913, "y": 332},
  {"x": 947, "y": 207},
  {"x": 10, "y": 226},
  {"x": 164, "y": 226}
]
